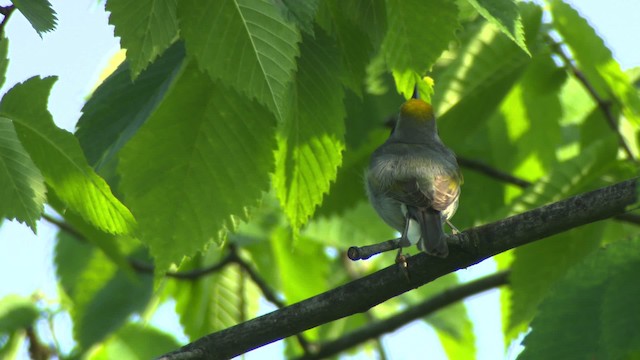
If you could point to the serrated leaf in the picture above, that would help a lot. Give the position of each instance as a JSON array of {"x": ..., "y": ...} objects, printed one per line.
[
  {"x": 146, "y": 28},
  {"x": 595, "y": 60},
  {"x": 22, "y": 187},
  {"x": 60, "y": 159},
  {"x": 189, "y": 180},
  {"x": 215, "y": 302},
  {"x": 16, "y": 313},
  {"x": 588, "y": 297},
  {"x": 503, "y": 14},
  {"x": 39, "y": 13},
  {"x": 247, "y": 45},
  {"x": 301, "y": 13},
  {"x": 136, "y": 341},
  {"x": 119, "y": 106},
  {"x": 312, "y": 139},
  {"x": 416, "y": 36},
  {"x": 354, "y": 42}
]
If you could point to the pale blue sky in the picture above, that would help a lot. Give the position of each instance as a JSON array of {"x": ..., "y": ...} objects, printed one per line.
[{"x": 80, "y": 48}]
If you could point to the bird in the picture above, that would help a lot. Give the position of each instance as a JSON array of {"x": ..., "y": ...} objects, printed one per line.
[{"x": 413, "y": 180}]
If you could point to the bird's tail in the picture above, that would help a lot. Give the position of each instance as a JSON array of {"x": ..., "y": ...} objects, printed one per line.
[{"x": 433, "y": 240}]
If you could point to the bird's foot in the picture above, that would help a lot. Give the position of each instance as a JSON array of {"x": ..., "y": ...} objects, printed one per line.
[
  {"x": 401, "y": 260},
  {"x": 454, "y": 230}
]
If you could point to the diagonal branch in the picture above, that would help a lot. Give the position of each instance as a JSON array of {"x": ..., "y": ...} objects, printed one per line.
[
  {"x": 604, "y": 105},
  {"x": 417, "y": 311},
  {"x": 475, "y": 245}
]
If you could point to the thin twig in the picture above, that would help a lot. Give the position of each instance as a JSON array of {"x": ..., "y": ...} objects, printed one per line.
[
  {"x": 194, "y": 274},
  {"x": 492, "y": 172},
  {"x": 429, "y": 306},
  {"x": 64, "y": 226},
  {"x": 604, "y": 105}
]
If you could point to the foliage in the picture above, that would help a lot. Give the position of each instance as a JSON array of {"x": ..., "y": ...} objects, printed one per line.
[{"x": 230, "y": 147}]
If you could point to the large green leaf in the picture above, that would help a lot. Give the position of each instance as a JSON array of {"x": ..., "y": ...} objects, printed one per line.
[
  {"x": 39, "y": 14},
  {"x": 475, "y": 83},
  {"x": 595, "y": 60},
  {"x": 247, "y": 44},
  {"x": 59, "y": 157},
  {"x": 312, "y": 139},
  {"x": 189, "y": 177},
  {"x": 217, "y": 301},
  {"x": 136, "y": 341},
  {"x": 505, "y": 15},
  {"x": 119, "y": 107},
  {"x": 592, "y": 312},
  {"x": 418, "y": 32},
  {"x": 146, "y": 28},
  {"x": 22, "y": 187}
]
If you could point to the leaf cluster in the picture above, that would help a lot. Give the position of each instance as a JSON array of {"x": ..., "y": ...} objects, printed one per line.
[{"x": 222, "y": 162}]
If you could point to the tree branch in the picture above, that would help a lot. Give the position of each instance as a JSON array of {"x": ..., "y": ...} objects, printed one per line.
[
  {"x": 415, "y": 312},
  {"x": 604, "y": 105},
  {"x": 475, "y": 245},
  {"x": 492, "y": 172}
]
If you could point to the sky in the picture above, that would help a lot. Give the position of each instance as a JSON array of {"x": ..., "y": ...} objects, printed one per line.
[{"x": 78, "y": 51}]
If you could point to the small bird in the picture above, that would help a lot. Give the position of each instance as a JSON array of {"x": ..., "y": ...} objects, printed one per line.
[{"x": 413, "y": 180}]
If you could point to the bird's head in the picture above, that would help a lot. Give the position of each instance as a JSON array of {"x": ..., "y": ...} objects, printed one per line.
[{"x": 416, "y": 122}]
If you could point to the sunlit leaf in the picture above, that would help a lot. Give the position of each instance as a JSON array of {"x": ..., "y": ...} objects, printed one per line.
[
  {"x": 189, "y": 178},
  {"x": 146, "y": 28},
  {"x": 60, "y": 159}
]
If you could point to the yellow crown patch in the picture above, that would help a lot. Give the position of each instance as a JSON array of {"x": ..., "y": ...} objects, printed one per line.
[{"x": 417, "y": 108}]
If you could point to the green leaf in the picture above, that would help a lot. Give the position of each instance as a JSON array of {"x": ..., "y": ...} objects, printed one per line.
[
  {"x": 599, "y": 295},
  {"x": 102, "y": 296},
  {"x": 146, "y": 28},
  {"x": 303, "y": 271},
  {"x": 353, "y": 41},
  {"x": 416, "y": 36},
  {"x": 136, "y": 341},
  {"x": 595, "y": 60},
  {"x": 248, "y": 45},
  {"x": 59, "y": 157},
  {"x": 22, "y": 187},
  {"x": 218, "y": 301},
  {"x": 536, "y": 267},
  {"x": 110, "y": 307},
  {"x": 301, "y": 13},
  {"x": 119, "y": 107},
  {"x": 408, "y": 80},
  {"x": 312, "y": 140},
  {"x": 503, "y": 14},
  {"x": 189, "y": 181},
  {"x": 477, "y": 80},
  {"x": 16, "y": 313},
  {"x": 39, "y": 13}
]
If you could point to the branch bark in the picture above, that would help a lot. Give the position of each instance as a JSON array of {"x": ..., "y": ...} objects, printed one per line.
[
  {"x": 473, "y": 246},
  {"x": 420, "y": 310}
]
